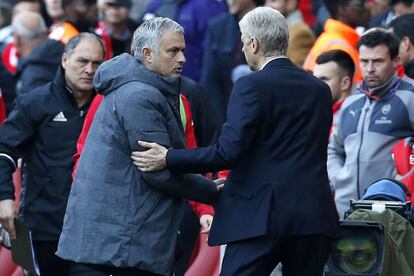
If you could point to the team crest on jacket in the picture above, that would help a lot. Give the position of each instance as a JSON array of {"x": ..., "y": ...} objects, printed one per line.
[{"x": 386, "y": 109}]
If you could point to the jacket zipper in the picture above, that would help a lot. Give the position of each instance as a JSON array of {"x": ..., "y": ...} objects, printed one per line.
[{"x": 359, "y": 149}]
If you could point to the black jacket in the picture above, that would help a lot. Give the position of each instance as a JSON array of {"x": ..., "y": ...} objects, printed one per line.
[
  {"x": 42, "y": 129},
  {"x": 409, "y": 69},
  {"x": 39, "y": 67}
]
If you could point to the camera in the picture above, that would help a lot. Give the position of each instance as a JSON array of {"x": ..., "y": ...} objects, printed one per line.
[{"x": 377, "y": 234}]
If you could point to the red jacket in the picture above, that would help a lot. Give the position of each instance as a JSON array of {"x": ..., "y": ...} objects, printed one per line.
[
  {"x": 403, "y": 155},
  {"x": 199, "y": 208},
  {"x": 2, "y": 109}
]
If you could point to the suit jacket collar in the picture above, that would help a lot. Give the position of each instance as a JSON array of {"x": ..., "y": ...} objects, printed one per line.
[{"x": 280, "y": 61}]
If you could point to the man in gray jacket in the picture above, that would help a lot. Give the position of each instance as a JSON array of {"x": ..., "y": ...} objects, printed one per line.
[
  {"x": 371, "y": 121},
  {"x": 119, "y": 220}
]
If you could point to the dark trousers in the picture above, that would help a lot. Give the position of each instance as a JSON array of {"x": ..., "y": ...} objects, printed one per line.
[
  {"x": 80, "y": 269},
  {"x": 49, "y": 263},
  {"x": 189, "y": 231},
  {"x": 299, "y": 255}
]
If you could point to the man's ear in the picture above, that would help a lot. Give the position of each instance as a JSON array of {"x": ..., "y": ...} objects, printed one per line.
[
  {"x": 346, "y": 83},
  {"x": 405, "y": 43},
  {"x": 147, "y": 55},
  {"x": 64, "y": 60},
  {"x": 255, "y": 45}
]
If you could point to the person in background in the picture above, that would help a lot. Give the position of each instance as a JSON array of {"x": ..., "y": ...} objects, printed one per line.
[
  {"x": 78, "y": 16},
  {"x": 336, "y": 68},
  {"x": 40, "y": 56},
  {"x": 301, "y": 37},
  {"x": 395, "y": 9},
  {"x": 370, "y": 122},
  {"x": 339, "y": 32},
  {"x": 223, "y": 59},
  {"x": 403, "y": 28},
  {"x": 116, "y": 28},
  {"x": 9, "y": 56}
]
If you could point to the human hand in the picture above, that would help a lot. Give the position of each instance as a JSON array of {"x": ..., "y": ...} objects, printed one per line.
[
  {"x": 153, "y": 159},
  {"x": 8, "y": 212},
  {"x": 220, "y": 183},
  {"x": 205, "y": 222}
]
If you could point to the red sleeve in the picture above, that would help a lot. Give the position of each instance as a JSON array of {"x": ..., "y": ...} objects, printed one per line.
[
  {"x": 85, "y": 129},
  {"x": 403, "y": 156},
  {"x": 201, "y": 209},
  {"x": 2, "y": 109},
  {"x": 401, "y": 71}
]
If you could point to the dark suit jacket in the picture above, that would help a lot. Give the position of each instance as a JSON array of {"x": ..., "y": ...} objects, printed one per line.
[{"x": 275, "y": 141}]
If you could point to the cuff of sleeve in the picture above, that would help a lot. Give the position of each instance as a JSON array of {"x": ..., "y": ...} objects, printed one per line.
[
  {"x": 4, "y": 196},
  {"x": 204, "y": 209}
]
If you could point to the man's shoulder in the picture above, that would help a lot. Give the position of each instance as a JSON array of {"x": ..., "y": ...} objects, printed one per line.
[
  {"x": 37, "y": 95},
  {"x": 357, "y": 96},
  {"x": 406, "y": 84},
  {"x": 137, "y": 92}
]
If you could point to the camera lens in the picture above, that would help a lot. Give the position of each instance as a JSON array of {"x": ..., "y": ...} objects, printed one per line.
[{"x": 356, "y": 252}]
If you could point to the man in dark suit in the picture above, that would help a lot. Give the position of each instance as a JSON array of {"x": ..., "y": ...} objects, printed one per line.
[
  {"x": 276, "y": 205},
  {"x": 222, "y": 54}
]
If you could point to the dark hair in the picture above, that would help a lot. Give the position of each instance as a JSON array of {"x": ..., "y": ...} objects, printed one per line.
[
  {"x": 333, "y": 6},
  {"x": 403, "y": 26},
  {"x": 405, "y": 2},
  {"x": 5, "y": 13},
  {"x": 259, "y": 2},
  {"x": 373, "y": 38},
  {"x": 74, "y": 41},
  {"x": 341, "y": 58},
  {"x": 66, "y": 3}
]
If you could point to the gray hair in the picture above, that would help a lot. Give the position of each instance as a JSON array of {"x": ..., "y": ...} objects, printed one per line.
[
  {"x": 74, "y": 41},
  {"x": 149, "y": 33},
  {"x": 29, "y": 25},
  {"x": 269, "y": 27}
]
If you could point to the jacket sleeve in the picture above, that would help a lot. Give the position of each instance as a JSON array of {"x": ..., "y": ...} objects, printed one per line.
[
  {"x": 189, "y": 186},
  {"x": 144, "y": 117},
  {"x": 237, "y": 135},
  {"x": 336, "y": 150},
  {"x": 201, "y": 209},
  {"x": 15, "y": 134}
]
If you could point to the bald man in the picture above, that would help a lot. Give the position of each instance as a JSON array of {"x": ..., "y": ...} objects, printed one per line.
[{"x": 39, "y": 56}]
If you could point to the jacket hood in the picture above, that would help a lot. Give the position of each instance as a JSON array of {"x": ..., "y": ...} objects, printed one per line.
[
  {"x": 49, "y": 53},
  {"x": 126, "y": 68}
]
